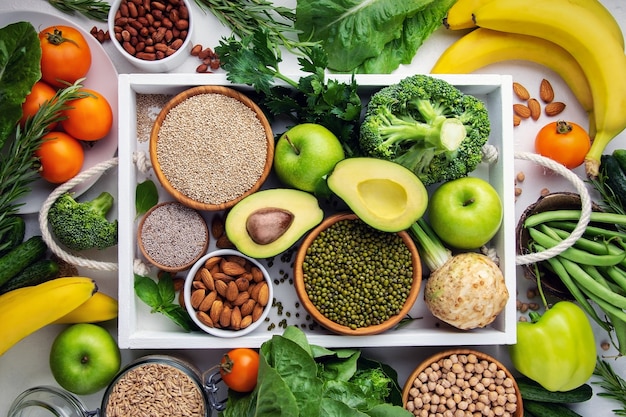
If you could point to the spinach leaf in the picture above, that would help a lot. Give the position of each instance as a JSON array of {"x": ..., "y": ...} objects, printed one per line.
[
  {"x": 20, "y": 55},
  {"x": 146, "y": 196},
  {"x": 352, "y": 31},
  {"x": 416, "y": 30}
]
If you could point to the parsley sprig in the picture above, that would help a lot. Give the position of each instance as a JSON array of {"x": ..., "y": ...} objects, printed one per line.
[
  {"x": 255, "y": 60},
  {"x": 613, "y": 385}
]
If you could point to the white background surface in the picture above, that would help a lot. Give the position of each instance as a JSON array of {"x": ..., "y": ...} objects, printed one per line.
[{"x": 26, "y": 364}]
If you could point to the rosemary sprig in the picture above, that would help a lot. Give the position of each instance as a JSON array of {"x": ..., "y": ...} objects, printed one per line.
[
  {"x": 613, "y": 385},
  {"x": 92, "y": 9},
  {"x": 244, "y": 17},
  {"x": 18, "y": 164}
]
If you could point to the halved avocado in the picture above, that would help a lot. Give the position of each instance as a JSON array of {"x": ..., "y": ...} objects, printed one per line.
[
  {"x": 385, "y": 195},
  {"x": 269, "y": 222}
]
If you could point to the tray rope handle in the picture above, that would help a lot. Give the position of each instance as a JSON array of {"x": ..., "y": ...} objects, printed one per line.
[
  {"x": 73, "y": 258},
  {"x": 585, "y": 215}
]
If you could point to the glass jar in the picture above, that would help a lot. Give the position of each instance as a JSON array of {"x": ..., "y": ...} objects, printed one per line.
[{"x": 147, "y": 378}]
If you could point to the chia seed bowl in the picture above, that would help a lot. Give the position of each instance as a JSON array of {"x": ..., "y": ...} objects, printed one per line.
[
  {"x": 211, "y": 146},
  {"x": 355, "y": 280},
  {"x": 172, "y": 236}
]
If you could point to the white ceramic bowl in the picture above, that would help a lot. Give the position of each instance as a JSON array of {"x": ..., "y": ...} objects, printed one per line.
[
  {"x": 160, "y": 65},
  {"x": 220, "y": 332}
]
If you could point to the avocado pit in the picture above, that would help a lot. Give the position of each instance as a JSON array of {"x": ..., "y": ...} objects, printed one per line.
[{"x": 267, "y": 224}]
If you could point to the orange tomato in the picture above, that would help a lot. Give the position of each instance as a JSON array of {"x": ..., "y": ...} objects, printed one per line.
[
  {"x": 89, "y": 118},
  {"x": 239, "y": 369},
  {"x": 65, "y": 55},
  {"x": 61, "y": 157},
  {"x": 39, "y": 94},
  {"x": 563, "y": 142}
]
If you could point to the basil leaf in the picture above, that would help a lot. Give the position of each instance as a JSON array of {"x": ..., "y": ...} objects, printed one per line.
[
  {"x": 179, "y": 316},
  {"x": 20, "y": 56},
  {"x": 148, "y": 291},
  {"x": 166, "y": 289},
  {"x": 146, "y": 196}
]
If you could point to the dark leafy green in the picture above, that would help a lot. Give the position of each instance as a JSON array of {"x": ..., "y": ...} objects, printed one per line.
[
  {"x": 146, "y": 196},
  {"x": 371, "y": 37},
  {"x": 299, "y": 379},
  {"x": 159, "y": 296},
  {"x": 20, "y": 55}
]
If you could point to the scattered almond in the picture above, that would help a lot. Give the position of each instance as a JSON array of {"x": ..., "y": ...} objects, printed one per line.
[
  {"x": 535, "y": 108},
  {"x": 546, "y": 92},
  {"x": 521, "y": 110},
  {"x": 516, "y": 120},
  {"x": 554, "y": 108},
  {"x": 217, "y": 226},
  {"x": 520, "y": 91}
]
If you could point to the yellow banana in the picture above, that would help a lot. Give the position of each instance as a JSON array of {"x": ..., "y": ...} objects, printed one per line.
[
  {"x": 482, "y": 47},
  {"x": 460, "y": 15},
  {"x": 99, "y": 307},
  {"x": 584, "y": 33},
  {"x": 32, "y": 308}
]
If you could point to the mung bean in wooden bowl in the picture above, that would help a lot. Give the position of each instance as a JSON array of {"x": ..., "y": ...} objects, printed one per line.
[
  {"x": 462, "y": 382},
  {"x": 211, "y": 146},
  {"x": 355, "y": 280}
]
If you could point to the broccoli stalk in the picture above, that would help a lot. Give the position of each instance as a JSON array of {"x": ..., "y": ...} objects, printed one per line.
[
  {"x": 83, "y": 225},
  {"x": 428, "y": 126}
]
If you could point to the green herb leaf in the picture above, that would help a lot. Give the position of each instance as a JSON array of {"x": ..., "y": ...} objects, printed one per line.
[
  {"x": 166, "y": 288},
  {"x": 146, "y": 196},
  {"x": 148, "y": 291},
  {"x": 179, "y": 316},
  {"x": 20, "y": 54},
  {"x": 92, "y": 9}
]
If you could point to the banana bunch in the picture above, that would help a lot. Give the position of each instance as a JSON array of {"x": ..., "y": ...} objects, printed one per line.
[
  {"x": 578, "y": 39},
  {"x": 62, "y": 300}
]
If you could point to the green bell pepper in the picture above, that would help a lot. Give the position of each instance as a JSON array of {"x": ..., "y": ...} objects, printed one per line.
[{"x": 556, "y": 349}]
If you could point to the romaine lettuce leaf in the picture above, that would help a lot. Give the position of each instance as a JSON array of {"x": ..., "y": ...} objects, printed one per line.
[
  {"x": 20, "y": 55},
  {"x": 352, "y": 31}
]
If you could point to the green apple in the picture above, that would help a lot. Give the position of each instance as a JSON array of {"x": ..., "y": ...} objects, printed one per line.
[
  {"x": 466, "y": 213},
  {"x": 305, "y": 154},
  {"x": 84, "y": 358}
]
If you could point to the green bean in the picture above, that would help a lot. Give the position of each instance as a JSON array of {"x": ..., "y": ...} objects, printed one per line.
[
  {"x": 617, "y": 275},
  {"x": 591, "y": 231},
  {"x": 574, "y": 254},
  {"x": 607, "y": 307},
  {"x": 585, "y": 280},
  {"x": 597, "y": 247},
  {"x": 557, "y": 215},
  {"x": 576, "y": 292}
]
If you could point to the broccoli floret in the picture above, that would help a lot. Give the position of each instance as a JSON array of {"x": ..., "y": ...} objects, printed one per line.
[
  {"x": 427, "y": 125},
  {"x": 83, "y": 225}
]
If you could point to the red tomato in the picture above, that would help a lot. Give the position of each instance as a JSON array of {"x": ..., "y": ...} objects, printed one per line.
[
  {"x": 239, "y": 369},
  {"x": 89, "y": 118},
  {"x": 65, "y": 55},
  {"x": 61, "y": 157},
  {"x": 563, "y": 142},
  {"x": 39, "y": 94}
]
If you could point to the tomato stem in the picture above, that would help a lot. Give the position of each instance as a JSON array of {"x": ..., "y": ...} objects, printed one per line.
[{"x": 56, "y": 38}]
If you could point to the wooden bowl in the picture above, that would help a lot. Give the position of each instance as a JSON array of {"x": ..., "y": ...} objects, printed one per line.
[
  {"x": 269, "y": 152},
  {"x": 548, "y": 202},
  {"x": 168, "y": 235},
  {"x": 480, "y": 356},
  {"x": 340, "y": 328}
]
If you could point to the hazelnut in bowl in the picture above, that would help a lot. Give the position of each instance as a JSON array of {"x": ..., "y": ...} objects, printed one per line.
[
  {"x": 154, "y": 35},
  {"x": 462, "y": 382},
  {"x": 228, "y": 294},
  {"x": 211, "y": 146},
  {"x": 355, "y": 280}
]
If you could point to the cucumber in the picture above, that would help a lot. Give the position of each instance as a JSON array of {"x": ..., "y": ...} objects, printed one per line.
[
  {"x": 14, "y": 235},
  {"x": 620, "y": 156},
  {"x": 615, "y": 178},
  {"x": 541, "y": 409},
  {"x": 20, "y": 257},
  {"x": 532, "y": 390},
  {"x": 41, "y": 271}
]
